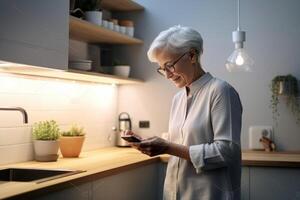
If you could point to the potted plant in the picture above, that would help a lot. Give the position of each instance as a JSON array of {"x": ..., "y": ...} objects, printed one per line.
[
  {"x": 46, "y": 135},
  {"x": 287, "y": 87},
  {"x": 120, "y": 69},
  {"x": 92, "y": 10},
  {"x": 71, "y": 141}
]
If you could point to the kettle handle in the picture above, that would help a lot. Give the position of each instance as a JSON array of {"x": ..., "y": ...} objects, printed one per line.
[{"x": 124, "y": 113}]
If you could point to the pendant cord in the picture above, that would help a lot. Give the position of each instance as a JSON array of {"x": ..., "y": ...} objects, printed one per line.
[{"x": 238, "y": 14}]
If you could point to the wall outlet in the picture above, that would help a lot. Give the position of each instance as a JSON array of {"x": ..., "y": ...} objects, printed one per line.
[
  {"x": 144, "y": 124},
  {"x": 256, "y": 132}
]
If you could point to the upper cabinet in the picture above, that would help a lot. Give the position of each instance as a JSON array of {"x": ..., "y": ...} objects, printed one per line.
[
  {"x": 87, "y": 32},
  {"x": 35, "y": 35},
  {"x": 35, "y": 32},
  {"x": 121, "y": 5}
]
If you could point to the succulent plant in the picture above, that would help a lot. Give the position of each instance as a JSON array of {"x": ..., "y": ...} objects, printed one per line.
[
  {"x": 74, "y": 131},
  {"x": 46, "y": 130}
]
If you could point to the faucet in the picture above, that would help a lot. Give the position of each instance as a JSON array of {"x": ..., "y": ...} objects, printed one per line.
[{"x": 22, "y": 110}]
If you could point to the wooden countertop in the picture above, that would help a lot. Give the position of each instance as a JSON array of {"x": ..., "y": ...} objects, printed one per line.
[
  {"x": 113, "y": 160},
  {"x": 271, "y": 159}
]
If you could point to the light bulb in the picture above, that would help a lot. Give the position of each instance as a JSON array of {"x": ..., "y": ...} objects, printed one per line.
[{"x": 239, "y": 61}]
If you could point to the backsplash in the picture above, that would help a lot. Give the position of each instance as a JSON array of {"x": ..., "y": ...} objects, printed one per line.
[{"x": 93, "y": 106}]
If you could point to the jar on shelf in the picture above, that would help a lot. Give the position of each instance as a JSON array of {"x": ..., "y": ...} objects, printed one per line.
[
  {"x": 116, "y": 26},
  {"x": 129, "y": 26}
]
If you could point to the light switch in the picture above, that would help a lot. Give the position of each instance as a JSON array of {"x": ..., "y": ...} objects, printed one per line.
[{"x": 144, "y": 124}]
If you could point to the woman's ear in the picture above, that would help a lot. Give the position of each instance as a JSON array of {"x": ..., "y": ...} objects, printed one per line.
[{"x": 193, "y": 56}]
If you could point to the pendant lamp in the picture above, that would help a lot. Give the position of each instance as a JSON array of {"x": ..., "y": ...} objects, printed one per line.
[{"x": 239, "y": 60}]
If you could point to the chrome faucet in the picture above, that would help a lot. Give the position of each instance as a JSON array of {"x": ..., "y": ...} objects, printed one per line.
[{"x": 22, "y": 110}]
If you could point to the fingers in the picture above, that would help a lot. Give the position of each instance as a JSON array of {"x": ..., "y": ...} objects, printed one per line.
[{"x": 127, "y": 132}]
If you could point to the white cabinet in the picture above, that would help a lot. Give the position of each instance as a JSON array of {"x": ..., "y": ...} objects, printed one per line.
[{"x": 35, "y": 32}]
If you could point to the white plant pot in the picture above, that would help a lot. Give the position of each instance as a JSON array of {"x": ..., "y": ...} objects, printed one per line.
[
  {"x": 121, "y": 70},
  {"x": 46, "y": 150},
  {"x": 94, "y": 17}
]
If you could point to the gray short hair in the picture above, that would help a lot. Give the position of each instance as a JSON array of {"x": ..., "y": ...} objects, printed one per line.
[{"x": 177, "y": 39}]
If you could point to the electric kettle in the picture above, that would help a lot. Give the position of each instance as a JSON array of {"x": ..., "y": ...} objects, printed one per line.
[{"x": 124, "y": 124}]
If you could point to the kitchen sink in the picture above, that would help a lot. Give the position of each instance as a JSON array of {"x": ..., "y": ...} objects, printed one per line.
[{"x": 34, "y": 175}]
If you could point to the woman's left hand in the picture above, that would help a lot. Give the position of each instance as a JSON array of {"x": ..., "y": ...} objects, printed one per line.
[{"x": 152, "y": 146}]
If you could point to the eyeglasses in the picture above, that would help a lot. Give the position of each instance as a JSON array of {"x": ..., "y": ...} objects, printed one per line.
[{"x": 169, "y": 66}]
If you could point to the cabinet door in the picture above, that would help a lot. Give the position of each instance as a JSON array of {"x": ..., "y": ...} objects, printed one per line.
[
  {"x": 245, "y": 183},
  {"x": 161, "y": 179},
  {"x": 135, "y": 184},
  {"x": 274, "y": 183},
  {"x": 35, "y": 32}
]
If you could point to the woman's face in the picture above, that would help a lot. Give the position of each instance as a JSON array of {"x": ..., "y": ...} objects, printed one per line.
[{"x": 184, "y": 69}]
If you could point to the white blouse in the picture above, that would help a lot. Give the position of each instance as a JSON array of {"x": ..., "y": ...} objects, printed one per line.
[{"x": 208, "y": 121}]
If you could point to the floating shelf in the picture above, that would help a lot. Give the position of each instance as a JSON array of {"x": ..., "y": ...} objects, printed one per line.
[
  {"x": 87, "y": 32},
  {"x": 121, "y": 5},
  {"x": 74, "y": 75}
]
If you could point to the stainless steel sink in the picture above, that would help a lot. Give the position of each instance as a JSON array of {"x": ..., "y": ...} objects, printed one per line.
[{"x": 34, "y": 175}]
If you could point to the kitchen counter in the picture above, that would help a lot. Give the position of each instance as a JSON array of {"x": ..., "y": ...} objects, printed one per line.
[
  {"x": 108, "y": 161},
  {"x": 97, "y": 164},
  {"x": 271, "y": 159}
]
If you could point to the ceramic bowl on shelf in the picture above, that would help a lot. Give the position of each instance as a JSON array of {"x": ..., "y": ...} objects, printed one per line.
[
  {"x": 121, "y": 70},
  {"x": 84, "y": 65}
]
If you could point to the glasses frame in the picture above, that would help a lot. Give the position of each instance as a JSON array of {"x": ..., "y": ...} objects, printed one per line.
[{"x": 170, "y": 67}]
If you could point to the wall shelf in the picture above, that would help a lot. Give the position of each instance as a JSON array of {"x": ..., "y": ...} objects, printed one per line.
[
  {"x": 74, "y": 75},
  {"x": 121, "y": 5},
  {"x": 87, "y": 32}
]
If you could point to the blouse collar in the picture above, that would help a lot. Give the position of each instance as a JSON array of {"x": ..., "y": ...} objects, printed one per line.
[{"x": 200, "y": 82}]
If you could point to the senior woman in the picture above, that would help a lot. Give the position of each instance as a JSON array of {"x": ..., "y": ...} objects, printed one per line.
[{"x": 204, "y": 124}]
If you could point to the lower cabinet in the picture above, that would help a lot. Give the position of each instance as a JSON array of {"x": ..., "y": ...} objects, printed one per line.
[
  {"x": 245, "y": 184},
  {"x": 144, "y": 182},
  {"x": 140, "y": 183},
  {"x": 274, "y": 183},
  {"x": 72, "y": 191}
]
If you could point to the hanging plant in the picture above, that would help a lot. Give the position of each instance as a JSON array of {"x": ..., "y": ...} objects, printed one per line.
[{"x": 286, "y": 86}]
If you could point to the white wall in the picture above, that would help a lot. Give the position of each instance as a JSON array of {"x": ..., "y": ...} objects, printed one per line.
[
  {"x": 273, "y": 30},
  {"x": 92, "y": 106}
]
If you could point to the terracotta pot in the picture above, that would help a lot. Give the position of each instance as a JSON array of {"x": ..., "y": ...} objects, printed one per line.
[
  {"x": 46, "y": 150},
  {"x": 70, "y": 146}
]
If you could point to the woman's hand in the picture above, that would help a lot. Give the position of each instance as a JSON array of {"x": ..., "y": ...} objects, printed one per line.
[{"x": 152, "y": 146}]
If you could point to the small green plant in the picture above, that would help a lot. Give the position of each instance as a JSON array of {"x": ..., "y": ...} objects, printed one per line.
[
  {"x": 74, "y": 131},
  {"x": 287, "y": 86},
  {"x": 89, "y": 5},
  {"x": 46, "y": 130}
]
